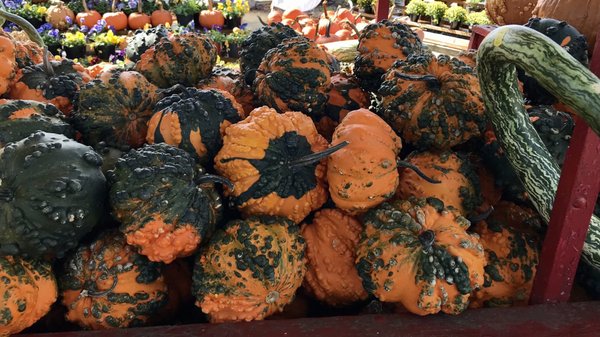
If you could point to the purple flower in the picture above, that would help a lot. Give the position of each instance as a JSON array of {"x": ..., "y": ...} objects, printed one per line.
[
  {"x": 133, "y": 4},
  {"x": 83, "y": 29},
  {"x": 191, "y": 25},
  {"x": 69, "y": 20},
  {"x": 244, "y": 25},
  {"x": 120, "y": 6},
  {"x": 11, "y": 4},
  {"x": 53, "y": 33},
  {"x": 217, "y": 28}
]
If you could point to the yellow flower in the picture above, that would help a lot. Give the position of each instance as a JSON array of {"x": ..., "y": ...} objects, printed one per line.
[
  {"x": 41, "y": 10},
  {"x": 167, "y": 25}
]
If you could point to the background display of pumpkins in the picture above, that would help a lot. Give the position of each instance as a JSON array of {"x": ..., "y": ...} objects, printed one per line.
[{"x": 289, "y": 189}]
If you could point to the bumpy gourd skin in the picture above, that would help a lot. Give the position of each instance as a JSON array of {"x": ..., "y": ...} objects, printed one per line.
[
  {"x": 162, "y": 210},
  {"x": 255, "y": 46},
  {"x": 432, "y": 103},
  {"x": 512, "y": 259},
  {"x": 250, "y": 269},
  {"x": 256, "y": 157},
  {"x": 179, "y": 59},
  {"x": 8, "y": 64},
  {"x": 331, "y": 241},
  {"x": 51, "y": 195},
  {"x": 115, "y": 109},
  {"x": 107, "y": 285},
  {"x": 379, "y": 46},
  {"x": 459, "y": 183},
  {"x": 193, "y": 120},
  {"x": 61, "y": 88},
  {"x": 231, "y": 81},
  {"x": 555, "y": 128},
  {"x": 419, "y": 254},
  {"x": 364, "y": 173},
  {"x": 295, "y": 76},
  {"x": 20, "y": 118},
  {"x": 29, "y": 290},
  {"x": 142, "y": 40}
]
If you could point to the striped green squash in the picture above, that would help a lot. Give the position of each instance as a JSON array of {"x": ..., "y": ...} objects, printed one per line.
[{"x": 562, "y": 75}]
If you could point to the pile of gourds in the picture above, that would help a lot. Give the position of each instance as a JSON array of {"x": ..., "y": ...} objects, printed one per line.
[{"x": 128, "y": 194}]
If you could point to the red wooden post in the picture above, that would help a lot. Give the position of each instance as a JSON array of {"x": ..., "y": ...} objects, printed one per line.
[
  {"x": 383, "y": 10},
  {"x": 573, "y": 207},
  {"x": 478, "y": 33}
]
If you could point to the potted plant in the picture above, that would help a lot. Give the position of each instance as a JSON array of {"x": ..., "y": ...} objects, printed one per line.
[
  {"x": 455, "y": 15},
  {"x": 74, "y": 44},
  {"x": 233, "y": 41},
  {"x": 472, "y": 4},
  {"x": 217, "y": 37},
  {"x": 415, "y": 9},
  {"x": 51, "y": 37},
  {"x": 35, "y": 14},
  {"x": 106, "y": 43},
  {"x": 477, "y": 18},
  {"x": 435, "y": 10},
  {"x": 185, "y": 10},
  {"x": 233, "y": 11}
]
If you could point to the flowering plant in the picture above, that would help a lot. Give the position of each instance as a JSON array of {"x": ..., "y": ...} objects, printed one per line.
[
  {"x": 186, "y": 7},
  {"x": 107, "y": 38},
  {"x": 234, "y": 8},
  {"x": 237, "y": 36},
  {"x": 30, "y": 11},
  {"x": 216, "y": 35},
  {"x": 73, "y": 39},
  {"x": 50, "y": 36}
]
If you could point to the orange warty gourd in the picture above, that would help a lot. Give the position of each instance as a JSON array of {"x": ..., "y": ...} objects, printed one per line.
[
  {"x": 232, "y": 82},
  {"x": 419, "y": 254},
  {"x": 28, "y": 291},
  {"x": 274, "y": 163},
  {"x": 250, "y": 269},
  {"x": 88, "y": 17},
  {"x": 8, "y": 62},
  {"x": 114, "y": 18},
  {"x": 365, "y": 173},
  {"x": 519, "y": 218},
  {"x": 584, "y": 15},
  {"x": 331, "y": 241},
  {"x": 510, "y": 12},
  {"x": 459, "y": 184}
]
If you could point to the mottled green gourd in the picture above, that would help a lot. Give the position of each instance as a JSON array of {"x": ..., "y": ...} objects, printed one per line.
[
  {"x": 142, "y": 40},
  {"x": 563, "y": 76},
  {"x": 417, "y": 253},
  {"x": 51, "y": 195},
  {"x": 165, "y": 203},
  {"x": 20, "y": 118},
  {"x": 107, "y": 285},
  {"x": 250, "y": 269}
]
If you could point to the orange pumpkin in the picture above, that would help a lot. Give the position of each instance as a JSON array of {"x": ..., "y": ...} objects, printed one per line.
[
  {"x": 139, "y": 19},
  {"x": 88, "y": 17},
  {"x": 211, "y": 17},
  {"x": 510, "y": 12},
  {"x": 117, "y": 20},
  {"x": 364, "y": 173},
  {"x": 161, "y": 16},
  {"x": 327, "y": 35},
  {"x": 28, "y": 291},
  {"x": 459, "y": 185},
  {"x": 331, "y": 241},
  {"x": 419, "y": 254},
  {"x": 231, "y": 81},
  {"x": 8, "y": 62},
  {"x": 57, "y": 15},
  {"x": 291, "y": 14},
  {"x": 274, "y": 16}
]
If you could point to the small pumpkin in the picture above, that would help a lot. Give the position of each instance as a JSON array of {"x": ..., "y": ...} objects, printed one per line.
[
  {"x": 52, "y": 193},
  {"x": 459, "y": 184},
  {"x": 512, "y": 259},
  {"x": 380, "y": 45},
  {"x": 139, "y": 19},
  {"x": 161, "y": 16},
  {"x": 108, "y": 285},
  {"x": 249, "y": 270},
  {"x": 231, "y": 81},
  {"x": 58, "y": 86},
  {"x": 345, "y": 95},
  {"x": 331, "y": 241},
  {"x": 27, "y": 53},
  {"x": 115, "y": 18},
  {"x": 19, "y": 119},
  {"x": 274, "y": 16},
  {"x": 510, "y": 12},
  {"x": 365, "y": 173},
  {"x": 292, "y": 13},
  {"x": 294, "y": 76},
  {"x": 87, "y": 18},
  {"x": 115, "y": 108},
  {"x": 432, "y": 102},
  {"x": 57, "y": 15},
  {"x": 418, "y": 253},
  {"x": 211, "y": 17},
  {"x": 8, "y": 62},
  {"x": 29, "y": 290},
  {"x": 178, "y": 59},
  {"x": 165, "y": 204},
  {"x": 255, "y": 46},
  {"x": 517, "y": 217},
  {"x": 193, "y": 120},
  {"x": 274, "y": 163}
]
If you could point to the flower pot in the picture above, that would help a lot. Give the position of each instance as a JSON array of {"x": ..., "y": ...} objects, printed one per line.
[
  {"x": 54, "y": 48},
  {"x": 75, "y": 52},
  {"x": 184, "y": 20},
  {"x": 35, "y": 22},
  {"x": 197, "y": 20},
  {"x": 103, "y": 52},
  {"x": 233, "y": 51},
  {"x": 368, "y": 10},
  {"x": 435, "y": 22},
  {"x": 455, "y": 25},
  {"x": 414, "y": 17},
  {"x": 233, "y": 22}
]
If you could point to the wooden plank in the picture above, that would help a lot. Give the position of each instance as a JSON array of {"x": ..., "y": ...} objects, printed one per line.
[
  {"x": 566, "y": 319},
  {"x": 427, "y": 26},
  {"x": 571, "y": 213}
]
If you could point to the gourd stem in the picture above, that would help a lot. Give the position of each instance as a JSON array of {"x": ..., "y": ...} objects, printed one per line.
[
  {"x": 93, "y": 293},
  {"x": 482, "y": 216},
  {"x": 210, "y": 5},
  {"x": 433, "y": 83},
  {"x": 402, "y": 163},
  {"x": 32, "y": 33},
  {"x": 353, "y": 26},
  {"x": 215, "y": 179},
  {"x": 315, "y": 157},
  {"x": 427, "y": 238},
  {"x": 85, "y": 6},
  {"x": 325, "y": 10},
  {"x": 261, "y": 20},
  {"x": 113, "y": 8},
  {"x": 139, "y": 6}
]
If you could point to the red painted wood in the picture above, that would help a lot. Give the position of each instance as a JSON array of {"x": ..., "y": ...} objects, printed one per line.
[
  {"x": 559, "y": 320},
  {"x": 478, "y": 33},
  {"x": 383, "y": 10},
  {"x": 573, "y": 207}
]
